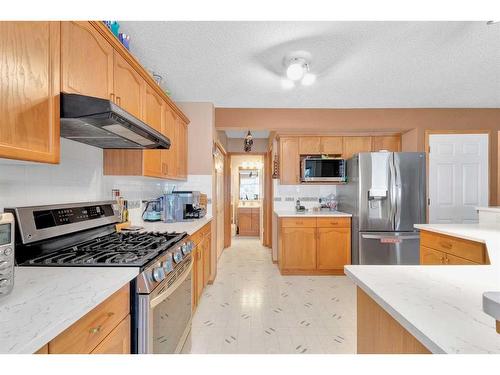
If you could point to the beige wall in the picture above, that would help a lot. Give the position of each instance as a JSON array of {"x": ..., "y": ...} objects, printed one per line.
[
  {"x": 412, "y": 122},
  {"x": 200, "y": 136}
]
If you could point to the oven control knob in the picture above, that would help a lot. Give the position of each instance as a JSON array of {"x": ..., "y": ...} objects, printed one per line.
[
  {"x": 190, "y": 245},
  {"x": 168, "y": 265},
  {"x": 186, "y": 248},
  {"x": 178, "y": 256},
  {"x": 158, "y": 274},
  {"x": 4, "y": 282}
]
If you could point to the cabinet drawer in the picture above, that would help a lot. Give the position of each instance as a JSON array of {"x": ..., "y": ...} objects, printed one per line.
[
  {"x": 473, "y": 251},
  {"x": 118, "y": 341},
  {"x": 333, "y": 222},
  {"x": 84, "y": 336},
  {"x": 296, "y": 222}
]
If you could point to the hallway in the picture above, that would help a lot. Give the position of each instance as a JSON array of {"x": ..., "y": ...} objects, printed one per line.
[{"x": 251, "y": 308}]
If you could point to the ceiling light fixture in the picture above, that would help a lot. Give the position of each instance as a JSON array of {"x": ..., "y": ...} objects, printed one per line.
[
  {"x": 248, "y": 142},
  {"x": 297, "y": 69}
]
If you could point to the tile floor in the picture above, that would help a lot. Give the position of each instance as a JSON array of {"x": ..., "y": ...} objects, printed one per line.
[{"x": 251, "y": 308}]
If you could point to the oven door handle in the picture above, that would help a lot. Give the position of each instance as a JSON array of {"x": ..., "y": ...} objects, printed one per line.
[{"x": 155, "y": 301}]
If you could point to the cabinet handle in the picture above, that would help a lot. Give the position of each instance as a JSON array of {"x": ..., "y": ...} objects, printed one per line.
[
  {"x": 118, "y": 100},
  {"x": 334, "y": 222},
  {"x": 442, "y": 260},
  {"x": 446, "y": 260},
  {"x": 446, "y": 245},
  {"x": 95, "y": 330},
  {"x": 112, "y": 97}
]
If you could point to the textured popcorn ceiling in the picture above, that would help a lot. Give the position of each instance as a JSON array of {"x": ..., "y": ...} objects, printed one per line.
[{"x": 359, "y": 64}]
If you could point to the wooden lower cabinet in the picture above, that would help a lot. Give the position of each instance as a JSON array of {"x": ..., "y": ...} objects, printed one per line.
[
  {"x": 201, "y": 262},
  {"x": 440, "y": 249},
  {"x": 334, "y": 248},
  {"x": 249, "y": 221},
  {"x": 380, "y": 333},
  {"x": 104, "y": 330},
  {"x": 309, "y": 246},
  {"x": 118, "y": 341},
  {"x": 298, "y": 248}
]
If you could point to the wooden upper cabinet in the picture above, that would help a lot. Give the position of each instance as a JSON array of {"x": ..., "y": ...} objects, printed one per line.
[
  {"x": 169, "y": 157},
  {"x": 154, "y": 115},
  {"x": 129, "y": 87},
  {"x": 86, "y": 60},
  {"x": 181, "y": 138},
  {"x": 309, "y": 145},
  {"x": 387, "y": 142},
  {"x": 353, "y": 145},
  {"x": 331, "y": 145},
  {"x": 289, "y": 161},
  {"x": 29, "y": 91}
]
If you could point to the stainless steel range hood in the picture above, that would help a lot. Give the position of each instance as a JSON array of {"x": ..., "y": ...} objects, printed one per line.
[{"x": 101, "y": 123}]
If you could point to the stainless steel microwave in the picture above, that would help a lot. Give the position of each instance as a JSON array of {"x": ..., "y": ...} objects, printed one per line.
[{"x": 316, "y": 169}]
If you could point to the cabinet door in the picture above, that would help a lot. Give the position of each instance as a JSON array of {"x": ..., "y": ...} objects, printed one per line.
[
  {"x": 353, "y": 145},
  {"x": 289, "y": 161},
  {"x": 118, "y": 341},
  {"x": 206, "y": 259},
  {"x": 256, "y": 221},
  {"x": 169, "y": 157},
  {"x": 194, "y": 281},
  {"x": 199, "y": 269},
  {"x": 430, "y": 256},
  {"x": 299, "y": 248},
  {"x": 309, "y": 145},
  {"x": 86, "y": 60},
  {"x": 129, "y": 87},
  {"x": 29, "y": 91},
  {"x": 334, "y": 248},
  {"x": 331, "y": 145},
  {"x": 153, "y": 116},
  {"x": 386, "y": 142},
  {"x": 181, "y": 137},
  {"x": 245, "y": 221}
]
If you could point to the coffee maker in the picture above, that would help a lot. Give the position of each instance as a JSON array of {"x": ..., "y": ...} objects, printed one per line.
[{"x": 186, "y": 206}]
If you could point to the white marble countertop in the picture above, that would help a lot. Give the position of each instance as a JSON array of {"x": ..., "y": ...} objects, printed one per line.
[
  {"x": 310, "y": 213},
  {"x": 489, "y": 209},
  {"x": 441, "y": 305},
  {"x": 183, "y": 226},
  {"x": 47, "y": 300}
]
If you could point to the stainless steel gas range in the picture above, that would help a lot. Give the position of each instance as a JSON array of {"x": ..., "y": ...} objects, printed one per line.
[{"x": 84, "y": 235}]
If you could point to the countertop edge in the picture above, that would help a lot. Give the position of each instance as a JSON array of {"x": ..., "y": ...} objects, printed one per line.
[
  {"x": 421, "y": 337},
  {"x": 433, "y": 228},
  {"x": 311, "y": 214}
]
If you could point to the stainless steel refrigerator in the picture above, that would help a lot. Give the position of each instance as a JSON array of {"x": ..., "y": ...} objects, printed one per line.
[{"x": 385, "y": 194}]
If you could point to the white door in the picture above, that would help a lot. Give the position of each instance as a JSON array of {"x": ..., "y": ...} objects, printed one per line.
[{"x": 458, "y": 177}]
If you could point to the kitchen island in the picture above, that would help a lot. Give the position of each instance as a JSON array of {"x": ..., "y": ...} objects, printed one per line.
[{"x": 436, "y": 309}]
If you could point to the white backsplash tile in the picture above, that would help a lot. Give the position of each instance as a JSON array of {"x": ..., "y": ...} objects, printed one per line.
[
  {"x": 79, "y": 178},
  {"x": 311, "y": 193}
]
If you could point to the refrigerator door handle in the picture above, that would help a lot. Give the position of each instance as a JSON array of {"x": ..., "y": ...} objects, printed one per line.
[
  {"x": 397, "y": 188},
  {"x": 379, "y": 237},
  {"x": 392, "y": 185}
]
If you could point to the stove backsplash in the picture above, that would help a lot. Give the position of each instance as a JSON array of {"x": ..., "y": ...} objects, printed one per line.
[{"x": 79, "y": 178}]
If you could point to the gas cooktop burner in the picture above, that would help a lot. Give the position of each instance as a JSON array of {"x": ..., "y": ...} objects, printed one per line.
[{"x": 120, "y": 249}]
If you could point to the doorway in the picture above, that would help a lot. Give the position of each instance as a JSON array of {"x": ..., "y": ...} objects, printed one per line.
[
  {"x": 247, "y": 192},
  {"x": 458, "y": 177}
]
